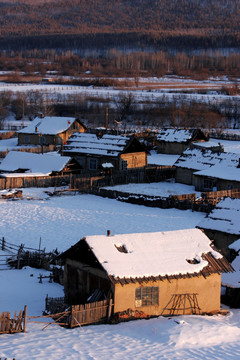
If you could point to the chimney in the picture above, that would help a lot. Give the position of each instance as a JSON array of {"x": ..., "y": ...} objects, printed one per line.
[{"x": 108, "y": 232}]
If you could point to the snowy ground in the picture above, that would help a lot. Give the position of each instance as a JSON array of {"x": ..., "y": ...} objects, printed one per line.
[
  {"x": 176, "y": 338},
  {"x": 154, "y": 91},
  {"x": 163, "y": 189},
  {"x": 62, "y": 221}
]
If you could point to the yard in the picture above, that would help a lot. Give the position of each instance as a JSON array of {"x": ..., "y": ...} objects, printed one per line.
[{"x": 60, "y": 222}]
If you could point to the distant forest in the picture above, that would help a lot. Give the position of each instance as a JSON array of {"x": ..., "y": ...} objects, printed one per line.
[
  {"x": 158, "y": 21},
  {"x": 128, "y": 37}
]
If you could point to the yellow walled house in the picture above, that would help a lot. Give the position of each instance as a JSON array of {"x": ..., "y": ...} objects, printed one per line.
[
  {"x": 96, "y": 151},
  {"x": 161, "y": 273},
  {"x": 49, "y": 130}
]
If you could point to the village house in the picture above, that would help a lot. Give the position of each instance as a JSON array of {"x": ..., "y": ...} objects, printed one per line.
[
  {"x": 25, "y": 164},
  {"x": 175, "y": 141},
  {"x": 208, "y": 170},
  {"x": 222, "y": 225},
  {"x": 49, "y": 130},
  {"x": 96, "y": 152},
  {"x": 147, "y": 272}
]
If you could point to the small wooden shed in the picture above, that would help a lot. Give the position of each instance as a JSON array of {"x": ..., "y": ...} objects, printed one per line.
[
  {"x": 93, "y": 151},
  {"x": 175, "y": 141},
  {"x": 23, "y": 164},
  {"x": 222, "y": 225},
  {"x": 49, "y": 130},
  {"x": 143, "y": 271}
]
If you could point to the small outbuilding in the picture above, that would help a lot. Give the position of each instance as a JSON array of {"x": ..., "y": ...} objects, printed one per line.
[
  {"x": 94, "y": 151},
  {"x": 147, "y": 272},
  {"x": 222, "y": 225},
  {"x": 175, "y": 141},
  {"x": 25, "y": 164},
  {"x": 49, "y": 130},
  {"x": 208, "y": 170}
]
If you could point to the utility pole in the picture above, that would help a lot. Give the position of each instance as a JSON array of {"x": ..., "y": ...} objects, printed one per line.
[{"x": 106, "y": 120}]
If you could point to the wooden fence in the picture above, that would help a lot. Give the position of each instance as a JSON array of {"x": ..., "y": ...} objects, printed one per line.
[
  {"x": 85, "y": 314},
  {"x": 34, "y": 149},
  {"x": 141, "y": 175},
  {"x": 85, "y": 182},
  {"x": 233, "y": 193},
  {"x": 90, "y": 313},
  {"x": 19, "y": 255},
  {"x": 16, "y": 324},
  {"x": 183, "y": 202}
]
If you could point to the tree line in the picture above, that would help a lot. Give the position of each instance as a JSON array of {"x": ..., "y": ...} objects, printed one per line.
[
  {"x": 124, "y": 110},
  {"x": 40, "y": 62}
]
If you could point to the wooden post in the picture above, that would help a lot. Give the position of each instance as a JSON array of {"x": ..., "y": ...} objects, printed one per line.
[
  {"x": 70, "y": 319},
  {"x": 19, "y": 255},
  {"x": 109, "y": 310},
  {"x": 3, "y": 243},
  {"x": 25, "y": 319},
  {"x": 46, "y": 302}
]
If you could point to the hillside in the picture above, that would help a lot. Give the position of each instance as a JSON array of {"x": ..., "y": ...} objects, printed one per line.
[{"x": 163, "y": 19}]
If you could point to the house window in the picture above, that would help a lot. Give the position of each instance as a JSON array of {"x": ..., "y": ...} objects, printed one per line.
[
  {"x": 92, "y": 164},
  {"x": 42, "y": 140},
  {"x": 146, "y": 296},
  {"x": 124, "y": 164},
  {"x": 209, "y": 183},
  {"x": 26, "y": 139}
]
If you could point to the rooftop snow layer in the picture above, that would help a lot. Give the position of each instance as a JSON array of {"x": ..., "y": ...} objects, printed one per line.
[
  {"x": 84, "y": 143},
  {"x": 49, "y": 125},
  {"x": 221, "y": 172},
  {"x": 175, "y": 135},
  {"x": 201, "y": 159},
  {"x": 225, "y": 217},
  {"x": 152, "y": 254},
  {"x": 40, "y": 164}
]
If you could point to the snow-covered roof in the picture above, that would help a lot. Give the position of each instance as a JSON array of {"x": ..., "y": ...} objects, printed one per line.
[
  {"x": 84, "y": 143},
  {"x": 152, "y": 254},
  {"x": 34, "y": 164},
  {"x": 201, "y": 159},
  {"x": 48, "y": 125},
  {"x": 233, "y": 280},
  {"x": 221, "y": 171},
  {"x": 175, "y": 135},
  {"x": 225, "y": 217}
]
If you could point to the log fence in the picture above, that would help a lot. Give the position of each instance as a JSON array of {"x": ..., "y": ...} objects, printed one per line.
[
  {"x": 16, "y": 324},
  {"x": 19, "y": 255}
]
